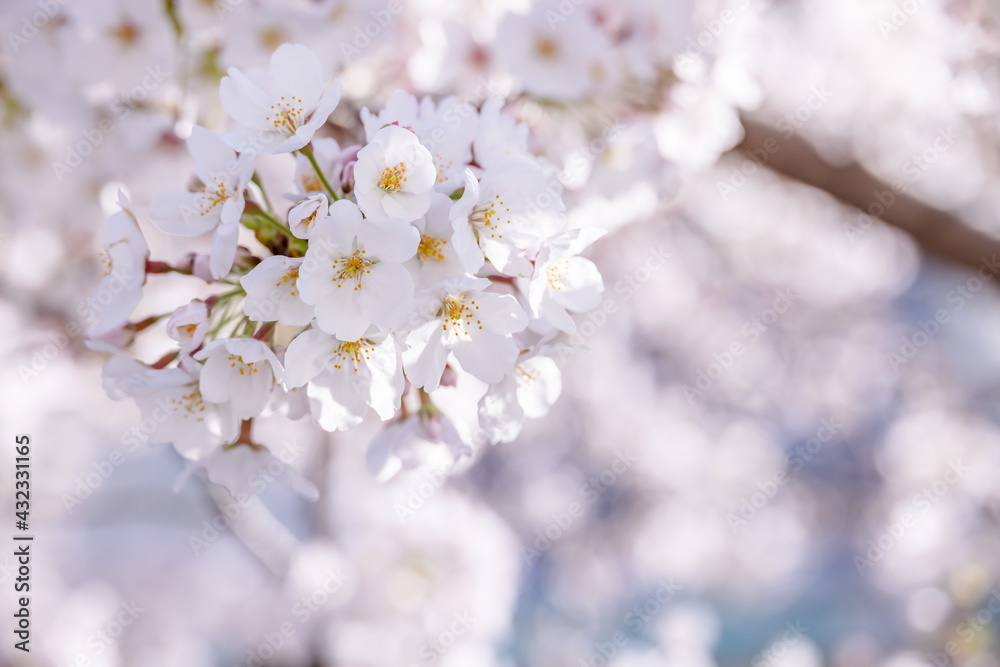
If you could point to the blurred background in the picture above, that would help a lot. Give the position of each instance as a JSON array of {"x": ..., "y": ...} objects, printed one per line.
[{"x": 782, "y": 447}]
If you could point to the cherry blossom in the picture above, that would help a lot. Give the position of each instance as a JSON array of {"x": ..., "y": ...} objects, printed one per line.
[
  {"x": 281, "y": 109},
  {"x": 458, "y": 318},
  {"x": 217, "y": 205},
  {"x": 120, "y": 291},
  {"x": 345, "y": 378},
  {"x": 353, "y": 273},
  {"x": 188, "y": 326},
  {"x": 394, "y": 175},
  {"x": 238, "y": 371}
]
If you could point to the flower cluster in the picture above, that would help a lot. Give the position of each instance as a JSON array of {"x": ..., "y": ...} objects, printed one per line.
[{"x": 435, "y": 253}]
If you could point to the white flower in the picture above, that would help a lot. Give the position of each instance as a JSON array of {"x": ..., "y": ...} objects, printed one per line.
[
  {"x": 345, "y": 377},
  {"x": 171, "y": 400},
  {"x": 281, "y": 109},
  {"x": 272, "y": 292},
  {"x": 512, "y": 208},
  {"x": 446, "y": 130},
  {"x": 530, "y": 391},
  {"x": 303, "y": 216},
  {"x": 564, "y": 282},
  {"x": 436, "y": 260},
  {"x": 120, "y": 291},
  {"x": 458, "y": 318},
  {"x": 555, "y": 56},
  {"x": 240, "y": 371},
  {"x": 243, "y": 469},
  {"x": 422, "y": 439},
  {"x": 353, "y": 271},
  {"x": 188, "y": 326},
  {"x": 394, "y": 175},
  {"x": 498, "y": 136},
  {"x": 218, "y": 205}
]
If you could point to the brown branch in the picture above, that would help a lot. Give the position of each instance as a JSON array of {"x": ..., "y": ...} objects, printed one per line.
[{"x": 938, "y": 232}]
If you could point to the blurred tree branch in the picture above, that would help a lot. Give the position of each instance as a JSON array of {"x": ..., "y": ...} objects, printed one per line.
[{"x": 937, "y": 232}]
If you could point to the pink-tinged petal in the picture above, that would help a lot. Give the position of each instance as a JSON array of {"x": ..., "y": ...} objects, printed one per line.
[
  {"x": 381, "y": 459},
  {"x": 177, "y": 214},
  {"x": 215, "y": 378},
  {"x": 507, "y": 259},
  {"x": 406, "y": 205},
  {"x": 556, "y": 315},
  {"x": 386, "y": 368},
  {"x": 224, "y": 249},
  {"x": 386, "y": 294},
  {"x": 539, "y": 385},
  {"x": 500, "y": 313},
  {"x": 244, "y": 100},
  {"x": 250, "y": 396},
  {"x": 580, "y": 285},
  {"x": 487, "y": 356},
  {"x": 388, "y": 239},
  {"x": 500, "y": 415},
  {"x": 339, "y": 314},
  {"x": 426, "y": 356},
  {"x": 307, "y": 356},
  {"x": 466, "y": 247},
  {"x": 213, "y": 159},
  {"x": 296, "y": 71},
  {"x": 338, "y": 400},
  {"x": 232, "y": 210}
]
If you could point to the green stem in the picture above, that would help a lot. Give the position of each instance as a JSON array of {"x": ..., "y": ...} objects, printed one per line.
[
  {"x": 307, "y": 151},
  {"x": 260, "y": 184},
  {"x": 271, "y": 220}
]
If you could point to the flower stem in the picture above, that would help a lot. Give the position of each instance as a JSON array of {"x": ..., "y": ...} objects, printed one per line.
[
  {"x": 307, "y": 151},
  {"x": 267, "y": 200}
]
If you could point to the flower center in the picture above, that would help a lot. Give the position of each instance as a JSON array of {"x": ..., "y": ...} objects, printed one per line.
[
  {"x": 488, "y": 218},
  {"x": 352, "y": 268},
  {"x": 556, "y": 280},
  {"x": 523, "y": 375},
  {"x": 392, "y": 178},
  {"x": 188, "y": 405},
  {"x": 431, "y": 248},
  {"x": 456, "y": 316},
  {"x": 547, "y": 48},
  {"x": 350, "y": 354},
  {"x": 286, "y": 115},
  {"x": 291, "y": 275},
  {"x": 243, "y": 367},
  {"x": 213, "y": 194}
]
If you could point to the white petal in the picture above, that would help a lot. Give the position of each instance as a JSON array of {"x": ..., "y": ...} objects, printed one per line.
[
  {"x": 485, "y": 355},
  {"x": 307, "y": 355}
]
